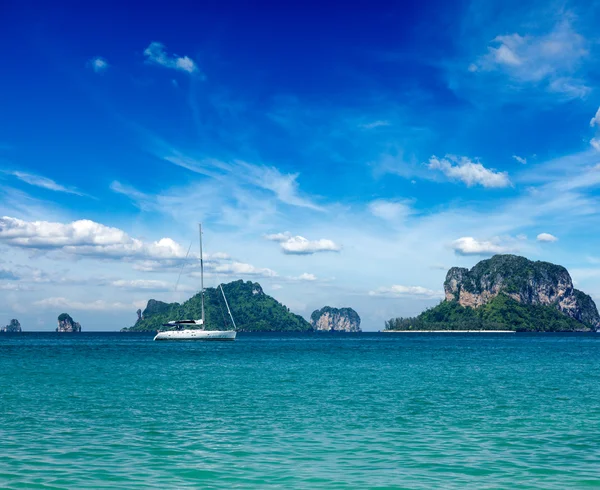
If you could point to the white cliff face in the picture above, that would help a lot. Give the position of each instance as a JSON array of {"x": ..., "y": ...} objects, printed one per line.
[
  {"x": 527, "y": 282},
  {"x": 68, "y": 325},
  {"x": 333, "y": 319}
]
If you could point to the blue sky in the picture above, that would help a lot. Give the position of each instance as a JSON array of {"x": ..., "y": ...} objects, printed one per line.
[{"x": 337, "y": 156}]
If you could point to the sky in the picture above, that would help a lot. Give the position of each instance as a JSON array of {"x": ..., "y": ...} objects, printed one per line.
[{"x": 338, "y": 156}]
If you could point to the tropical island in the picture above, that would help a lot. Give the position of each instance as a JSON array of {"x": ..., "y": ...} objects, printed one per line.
[
  {"x": 507, "y": 292},
  {"x": 67, "y": 324},
  {"x": 252, "y": 310},
  {"x": 335, "y": 320},
  {"x": 13, "y": 327}
]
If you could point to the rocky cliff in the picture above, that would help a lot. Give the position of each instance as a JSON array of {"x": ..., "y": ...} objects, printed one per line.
[
  {"x": 525, "y": 281},
  {"x": 13, "y": 327},
  {"x": 67, "y": 324},
  {"x": 334, "y": 319}
]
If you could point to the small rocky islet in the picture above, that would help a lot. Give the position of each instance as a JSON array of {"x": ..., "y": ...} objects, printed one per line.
[
  {"x": 67, "y": 324},
  {"x": 330, "y": 319},
  {"x": 508, "y": 292},
  {"x": 13, "y": 327}
]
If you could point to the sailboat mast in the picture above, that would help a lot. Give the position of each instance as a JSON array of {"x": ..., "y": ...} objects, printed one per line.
[
  {"x": 228, "y": 310},
  {"x": 201, "y": 274}
]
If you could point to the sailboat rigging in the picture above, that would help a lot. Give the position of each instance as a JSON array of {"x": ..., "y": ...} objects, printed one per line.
[{"x": 182, "y": 330}]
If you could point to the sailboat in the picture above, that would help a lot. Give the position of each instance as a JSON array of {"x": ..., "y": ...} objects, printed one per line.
[{"x": 196, "y": 329}]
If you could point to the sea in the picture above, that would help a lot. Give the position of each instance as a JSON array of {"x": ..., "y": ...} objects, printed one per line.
[{"x": 364, "y": 411}]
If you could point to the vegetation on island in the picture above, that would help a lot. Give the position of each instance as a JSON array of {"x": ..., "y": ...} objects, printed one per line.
[
  {"x": 501, "y": 313},
  {"x": 507, "y": 292},
  {"x": 252, "y": 310}
]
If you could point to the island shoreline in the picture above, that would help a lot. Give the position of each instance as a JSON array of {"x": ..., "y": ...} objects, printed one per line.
[{"x": 448, "y": 331}]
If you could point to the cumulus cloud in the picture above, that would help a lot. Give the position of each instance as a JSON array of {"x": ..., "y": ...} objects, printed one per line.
[
  {"x": 520, "y": 159},
  {"x": 595, "y": 142},
  {"x": 470, "y": 246},
  {"x": 298, "y": 245},
  {"x": 469, "y": 172},
  {"x": 546, "y": 237},
  {"x": 156, "y": 54},
  {"x": 84, "y": 237},
  {"x": 98, "y": 64},
  {"x": 240, "y": 268},
  {"x": 43, "y": 182},
  {"x": 390, "y": 210},
  {"x": 399, "y": 291}
]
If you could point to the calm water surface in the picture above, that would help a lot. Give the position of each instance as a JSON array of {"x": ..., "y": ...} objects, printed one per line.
[{"x": 316, "y": 411}]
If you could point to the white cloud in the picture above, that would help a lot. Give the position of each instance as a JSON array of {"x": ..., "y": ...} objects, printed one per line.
[
  {"x": 551, "y": 59},
  {"x": 470, "y": 246},
  {"x": 14, "y": 286},
  {"x": 298, "y": 245},
  {"x": 595, "y": 121},
  {"x": 98, "y": 64},
  {"x": 84, "y": 237},
  {"x": 399, "y": 291},
  {"x": 595, "y": 142},
  {"x": 375, "y": 124},
  {"x": 97, "y": 305},
  {"x": 520, "y": 159},
  {"x": 307, "y": 277},
  {"x": 284, "y": 186},
  {"x": 390, "y": 210},
  {"x": 279, "y": 237},
  {"x": 239, "y": 268},
  {"x": 469, "y": 172},
  {"x": 140, "y": 284},
  {"x": 546, "y": 237},
  {"x": 43, "y": 182},
  {"x": 157, "y": 54}
]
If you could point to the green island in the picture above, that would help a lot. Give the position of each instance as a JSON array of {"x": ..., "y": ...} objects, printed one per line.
[
  {"x": 507, "y": 292},
  {"x": 252, "y": 310}
]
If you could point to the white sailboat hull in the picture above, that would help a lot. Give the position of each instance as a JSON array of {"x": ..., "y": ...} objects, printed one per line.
[{"x": 196, "y": 335}]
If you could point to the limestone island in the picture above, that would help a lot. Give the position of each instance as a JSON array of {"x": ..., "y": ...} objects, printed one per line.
[
  {"x": 252, "y": 309},
  {"x": 509, "y": 293},
  {"x": 67, "y": 324},
  {"x": 335, "y": 320},
  {"x": 13, "y": 327}
]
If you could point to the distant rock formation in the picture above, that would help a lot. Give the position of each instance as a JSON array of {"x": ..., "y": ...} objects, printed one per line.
[
  {"x": 139, "y": 314},
  {"x": 67, "y": 324},
  {"x": 335, "y": 320},
  {"x": 527, "y": 282},
  {"x": 13, "y": 327}
]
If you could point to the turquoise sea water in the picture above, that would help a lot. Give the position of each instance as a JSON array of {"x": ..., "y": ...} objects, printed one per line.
[{"x": 315, "y": 411}]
